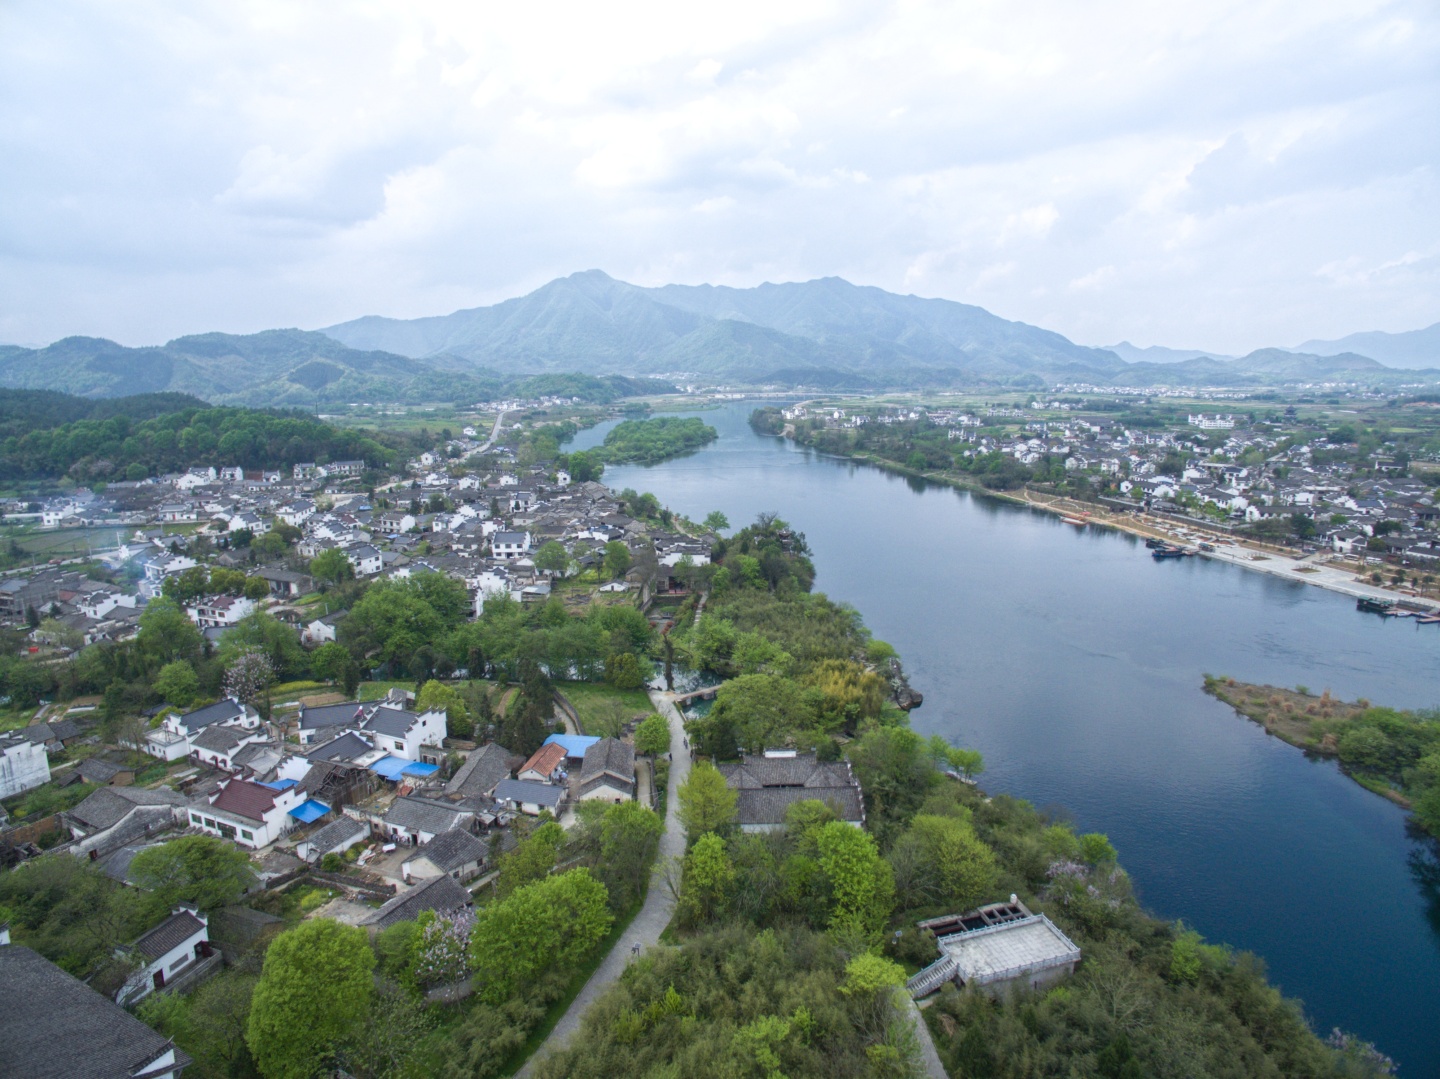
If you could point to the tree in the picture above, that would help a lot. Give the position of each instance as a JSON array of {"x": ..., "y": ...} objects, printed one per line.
[
  {"x": 553, "y": 557},
  {"x": 256, "y": 588},
  {"x": 716, "y": 521},
  {"x": 617, "y": 559},
  {"x": 59, "y": 634},
  {"x": 438, "y": 697},
  {"x": 332, "y": 566},
  {"x": 762, "y": 709},
  {"x": 166, "y": 633},
  {"x": 707, "y": 804},
  {"x": 652, "y": 737},
  {"x": 629, "y": 836},
  {"x": 197, "y": 869},
  {"x": 707, "y": 879},
  {"x": 532, "y": 859},
  {"x": 939, "y": 860},
  {"x": 178, "y": 683},
  {"x": 557, "y": 921},
  {"x": 260, "y": 632},
  {"x": 314, "y": 991},
  {"x": 623, "y": 671},
  {"x": 861, "y": 886},
  {"x": 329, "y": 661},
  {"x": 249, "y": 675}
]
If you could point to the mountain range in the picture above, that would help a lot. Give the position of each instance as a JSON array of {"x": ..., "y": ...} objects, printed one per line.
[{"x": 592, "y": 336}]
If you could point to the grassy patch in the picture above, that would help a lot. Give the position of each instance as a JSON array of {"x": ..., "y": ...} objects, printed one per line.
[
  {"x": 373, "y": 691},
  {"x": 599, "y": 706},
  {"x": 285, "y": 689}
]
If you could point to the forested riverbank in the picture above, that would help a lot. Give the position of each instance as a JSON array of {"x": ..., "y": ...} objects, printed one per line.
[
  {"x": 1394, "y": 753},
  {"x": 789, "y": 946}
]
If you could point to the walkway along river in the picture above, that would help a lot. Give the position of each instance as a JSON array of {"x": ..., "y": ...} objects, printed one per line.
[{"x": 1074, "y": 662}]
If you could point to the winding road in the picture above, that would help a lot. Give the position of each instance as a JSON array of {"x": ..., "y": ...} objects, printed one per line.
[{"x": 644, "y": 931}]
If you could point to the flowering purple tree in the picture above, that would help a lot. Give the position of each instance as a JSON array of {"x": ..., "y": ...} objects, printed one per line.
[
  {"x": 441, "y": 953},
  {"x": 249, "y": 676}
]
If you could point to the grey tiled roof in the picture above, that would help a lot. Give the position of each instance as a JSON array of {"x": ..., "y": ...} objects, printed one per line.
[
  {"x": 172, "y": 932},
  {"x": 523, "y": 790},
  {"x": 345, "y": 748},
  {"x": 218, "y": 739},
  {"x": 609, "y": 756},
  {"x": 330, "y": 715},
  {"x": 55, "y": 1027},
  {"x": 391, "y": 721},
  {"x": 109, "y": 805},
  {"x": 440, "y": 894},
  {"x": 336, "y": 833},
  {"x": 768, "y": 786},
  {"x": 422, "y": 815},
  {"x": 484, "y": 768},
  {"x": 448, "y": 851},
  {"x": 218, "y": 712}
]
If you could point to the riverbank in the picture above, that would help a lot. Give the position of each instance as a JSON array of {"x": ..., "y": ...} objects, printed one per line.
[
  {"x": 1238, "y": 551},
  {"x": 1385, "y": 751}
]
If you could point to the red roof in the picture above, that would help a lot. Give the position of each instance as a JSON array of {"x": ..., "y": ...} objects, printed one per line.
[
  {"x": 545, "y": 759},
  {"x": 246, "y": 800}
]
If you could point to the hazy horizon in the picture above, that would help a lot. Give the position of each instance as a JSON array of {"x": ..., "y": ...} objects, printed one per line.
[{"x": 1221, "y": 180}]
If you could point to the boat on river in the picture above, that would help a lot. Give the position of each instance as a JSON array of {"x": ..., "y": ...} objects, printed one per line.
[
  {"x": 1375, "y": 606},
  {"x": 1169, "y": 550},
  {"x": 1078, "y": 522}
]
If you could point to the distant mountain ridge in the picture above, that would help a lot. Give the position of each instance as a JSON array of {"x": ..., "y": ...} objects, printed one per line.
[
  {"x": 1412, "y": 349},
  {"x": 1160, "y": 354},
  {"x": 589, "y": 335},
  {"x": 828, "y": 328}
]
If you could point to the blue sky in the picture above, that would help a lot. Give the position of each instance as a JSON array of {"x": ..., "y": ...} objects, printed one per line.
[{"x": 1210, "y": 175}]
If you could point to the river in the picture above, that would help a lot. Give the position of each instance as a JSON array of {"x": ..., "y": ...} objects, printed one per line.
[{"x": 1074, "y": 663}]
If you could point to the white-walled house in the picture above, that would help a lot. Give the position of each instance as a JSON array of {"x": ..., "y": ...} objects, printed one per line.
[
  {"x": 171, "y": 740},
  {"x": 220, "y": 611},
  {"x": 249, "y": 814},
  {"x": 401, "y": 733},
  {"x": 510, "y": 544},
  {"x": 23, "y": 764},
  {"x": 168, "y": 952}
]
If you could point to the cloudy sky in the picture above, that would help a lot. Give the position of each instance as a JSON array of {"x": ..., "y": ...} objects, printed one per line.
[{"x": 1216, "y": 174}]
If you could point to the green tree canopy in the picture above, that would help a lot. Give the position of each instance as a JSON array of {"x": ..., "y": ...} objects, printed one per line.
[
  {"x": 553, "y": 557},
  {"x": 333, "y": 566},
  {"x": 652, "y": 737},
  {"x": 314, "y": 992},
  {"x": 178, "y": 683},
  {"x": 707, "y": 804},
  {"x": 555, "y": 921},
  {"x": 617, "y": 559},
  {"x": 197, "y": 869}
]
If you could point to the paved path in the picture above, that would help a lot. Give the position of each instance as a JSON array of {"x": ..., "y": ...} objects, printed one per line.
[
  {"x": 659, "y": 904},
  {"x": 929, "y": 1057}
]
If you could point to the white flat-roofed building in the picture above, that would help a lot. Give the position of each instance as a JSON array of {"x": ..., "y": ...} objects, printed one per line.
[{"x": 995, "y": 948}]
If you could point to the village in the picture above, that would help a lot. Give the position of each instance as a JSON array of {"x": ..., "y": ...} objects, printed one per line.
[{"x": 1275, "y": 476}]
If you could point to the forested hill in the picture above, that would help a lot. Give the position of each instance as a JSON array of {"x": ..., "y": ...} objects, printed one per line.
[
  {"x": 47, "y": 435},
  {"x": 23, "y": 411},
  {"x": 824, "y": 332},
  {"x": 286, "y": 368}
]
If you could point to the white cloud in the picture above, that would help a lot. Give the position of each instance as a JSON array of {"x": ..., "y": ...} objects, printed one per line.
[{"x": 1252, "y": 174}]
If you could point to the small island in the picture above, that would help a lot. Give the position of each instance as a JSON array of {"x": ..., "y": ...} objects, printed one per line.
[
  {"x": 1393, "y": 753},
  {"x": 651, "y": 441}
]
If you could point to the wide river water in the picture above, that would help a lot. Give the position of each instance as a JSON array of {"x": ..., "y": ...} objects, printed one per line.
[{"x": 1074, "y": 662}]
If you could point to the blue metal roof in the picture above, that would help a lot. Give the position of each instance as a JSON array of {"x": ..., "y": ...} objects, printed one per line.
[
  {"x": 395, "y": 767},
  {"x": 575, "y": 744},
  {"x": 310, "y": 810},
  {"x": 390, "y": 767},
  {"x": 279, "y": 784}
]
